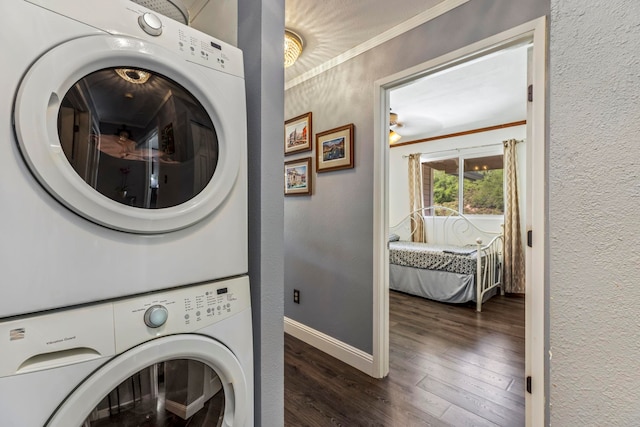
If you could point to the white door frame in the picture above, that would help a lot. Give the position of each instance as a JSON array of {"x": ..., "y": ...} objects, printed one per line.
[{"x": 536, "y": 299}]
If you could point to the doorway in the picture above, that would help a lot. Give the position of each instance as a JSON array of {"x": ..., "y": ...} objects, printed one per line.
[{"x": 533, "y": 33}]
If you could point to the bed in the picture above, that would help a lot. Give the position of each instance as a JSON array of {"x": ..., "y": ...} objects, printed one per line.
[{"x": 454, "y": 266}]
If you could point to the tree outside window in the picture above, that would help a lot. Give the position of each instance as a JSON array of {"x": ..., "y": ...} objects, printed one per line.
[{"x": 479, "y": 191}]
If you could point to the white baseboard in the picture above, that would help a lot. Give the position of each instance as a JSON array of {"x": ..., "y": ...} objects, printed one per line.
[
  {"x": 182, "y": 410},
  {"x": 333, "y": 347}
]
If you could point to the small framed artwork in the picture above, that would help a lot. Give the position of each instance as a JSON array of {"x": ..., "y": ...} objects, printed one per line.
[
  {"x": 334, "y": 149},
  {"x": 297, "y": 177},
  {"x": 297, "y": 134}
]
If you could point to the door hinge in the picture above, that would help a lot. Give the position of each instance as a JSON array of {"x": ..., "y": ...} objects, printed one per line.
[
  {"x": 529, "y": 384},
  {"x": 530, "y": 93},
  {"x": 530, "y": 238}
]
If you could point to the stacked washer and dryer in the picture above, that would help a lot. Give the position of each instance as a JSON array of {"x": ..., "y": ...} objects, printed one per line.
[{"x": 124, "y": 295}]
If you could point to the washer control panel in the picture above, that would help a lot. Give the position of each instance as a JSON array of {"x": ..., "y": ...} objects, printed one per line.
[
  {"x": 156, "y": 316},
  {"x": 183, "y": 310},
  {"x": 65, "y": 337}
]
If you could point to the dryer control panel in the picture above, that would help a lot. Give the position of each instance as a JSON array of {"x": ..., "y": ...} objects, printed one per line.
[
  {"x": 178, "y": 311},
  {"x": 123, "y": 17}
]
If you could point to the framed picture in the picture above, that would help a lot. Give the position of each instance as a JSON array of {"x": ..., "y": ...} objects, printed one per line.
[
  {"x": 297, "y": 177},
  {"x": 297, "y": 134},
  {"x": 334, "y": 149}
]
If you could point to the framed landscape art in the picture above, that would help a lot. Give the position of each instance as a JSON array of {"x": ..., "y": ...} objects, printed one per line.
[
  {"x": 334, "y": 149},
  {"x": 297, "y": 134}
]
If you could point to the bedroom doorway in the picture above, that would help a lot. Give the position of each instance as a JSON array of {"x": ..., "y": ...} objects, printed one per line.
[{"x": 532, "y": 35}]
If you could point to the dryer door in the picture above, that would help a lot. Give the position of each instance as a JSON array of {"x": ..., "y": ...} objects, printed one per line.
[
  {"x": 129, "y": 134},
  {"x": 179, "y": 380}
]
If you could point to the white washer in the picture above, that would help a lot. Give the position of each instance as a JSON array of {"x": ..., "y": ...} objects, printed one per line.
[
  {"x": 103, "y": 365},
  {"x": 123, "y": 154}
]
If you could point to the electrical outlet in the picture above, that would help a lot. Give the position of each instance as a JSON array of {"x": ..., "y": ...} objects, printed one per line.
[{"x": 296, "y": 296}]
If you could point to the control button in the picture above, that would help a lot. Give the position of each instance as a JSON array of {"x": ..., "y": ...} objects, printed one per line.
[
  {"x": 186, "y": 316},
  {"x": 197, "y": 313},
  {"x": 156, "y": 316},
  {"x": 150, "y": 24}
]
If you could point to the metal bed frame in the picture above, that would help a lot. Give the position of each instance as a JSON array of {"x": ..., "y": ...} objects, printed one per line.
[{"x": 457, "y": 229}]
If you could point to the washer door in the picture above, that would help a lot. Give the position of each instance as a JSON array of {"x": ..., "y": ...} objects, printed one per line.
[
  {"x": 179, "y": 380},
  {"x": 129, "y": 135}
]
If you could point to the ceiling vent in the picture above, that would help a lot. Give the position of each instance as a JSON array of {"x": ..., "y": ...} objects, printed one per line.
[{"x": 173, "y": 9}]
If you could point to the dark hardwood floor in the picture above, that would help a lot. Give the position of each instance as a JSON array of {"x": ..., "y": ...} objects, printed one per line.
[{"x": 449, "y": 366}]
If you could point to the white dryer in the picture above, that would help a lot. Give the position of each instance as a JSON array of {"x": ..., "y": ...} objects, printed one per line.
[
  {"x": 176, "y": 358},
  {"x": 122, "y": 151}
]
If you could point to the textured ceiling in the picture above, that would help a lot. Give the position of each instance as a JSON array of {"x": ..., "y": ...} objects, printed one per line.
[
  {"x": 486, "y": 92},
  {"x": 331, "y": 27}
]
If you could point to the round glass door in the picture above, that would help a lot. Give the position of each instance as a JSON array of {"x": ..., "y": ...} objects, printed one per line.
[
  {"x": 175, "y": 393},
  {"x": 137, "y": 137},
  {"x": 176, "y": 380},
  {"x": 130, "y": 135}
]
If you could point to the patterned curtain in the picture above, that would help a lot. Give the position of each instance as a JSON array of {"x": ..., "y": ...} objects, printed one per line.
[
  {"x": 415, "y": 198},
  {"x": 514, "y": 278}
]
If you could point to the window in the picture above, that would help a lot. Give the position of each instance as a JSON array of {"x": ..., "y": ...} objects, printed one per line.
[
  {"x": 441, "y": 185},
  {"x": 483, "y": 188},
  {"x": 479, "y": 191}
]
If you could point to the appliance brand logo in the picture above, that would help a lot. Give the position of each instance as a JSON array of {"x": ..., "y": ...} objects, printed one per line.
[
  {"x": 16, "y": 334},
  {"x": 58, "y": 341}
]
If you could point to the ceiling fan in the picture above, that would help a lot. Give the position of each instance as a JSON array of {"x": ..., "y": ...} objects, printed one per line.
[
  {"x": 393, "y": 125},
  {"x": 393, "y": 120}
]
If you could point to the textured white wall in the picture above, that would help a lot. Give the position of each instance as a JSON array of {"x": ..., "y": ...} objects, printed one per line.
[{"x": 594, "y": 197}]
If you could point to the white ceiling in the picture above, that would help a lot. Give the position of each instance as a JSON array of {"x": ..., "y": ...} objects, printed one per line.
[
  {"x": 485, "y": 92},
  {"x": 331, "y": 27},
  {"x": 488, "y": 91}
]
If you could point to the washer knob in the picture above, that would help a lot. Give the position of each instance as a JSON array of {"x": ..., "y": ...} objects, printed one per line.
[
  {"x": 156, "y": 316},
  {"x": 150, "y": 24}
]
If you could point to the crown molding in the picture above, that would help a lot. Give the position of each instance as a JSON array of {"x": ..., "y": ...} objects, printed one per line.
[{"x": 402, "y": 28}]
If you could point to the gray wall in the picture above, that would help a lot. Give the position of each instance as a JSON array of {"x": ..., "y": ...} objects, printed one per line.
[
  {"x": 329, "y": 236},
  {"x": 594, "y": 196},
  {"x": 260, "y": 32}
]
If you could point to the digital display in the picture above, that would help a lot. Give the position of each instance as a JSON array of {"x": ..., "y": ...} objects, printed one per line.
[{"x": 222, "y": 291}]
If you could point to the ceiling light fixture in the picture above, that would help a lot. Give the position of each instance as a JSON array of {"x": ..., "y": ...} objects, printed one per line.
[
  {"x": 393, "y": 121},
  {"x": 133, "y": 76},
  {"x": 393, "y": 137},
  {"x": 292, "y": 47}
]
